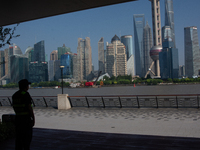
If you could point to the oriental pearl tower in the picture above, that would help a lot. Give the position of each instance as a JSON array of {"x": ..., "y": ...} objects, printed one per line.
[{"x": 157, "y": 38}]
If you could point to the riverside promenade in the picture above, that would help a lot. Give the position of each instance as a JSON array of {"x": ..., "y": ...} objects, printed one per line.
[{"x": 113, "y": 128}]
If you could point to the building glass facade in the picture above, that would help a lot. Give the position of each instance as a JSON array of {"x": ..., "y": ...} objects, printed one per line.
[
  {"x": 38, "y": 71},
  {"x": 127, "y": 40},
  {"x": 39, "y": 52},
  {"x": 2, "y": 66},
  {"x": 29, "y": 53},
  {"x": 16, "y": 50},
  {"x": 169, "y": 18},
  {"x": 54, "y": 70},
  {"x": 138, "y": 40},
  {"x": 18, "y": 68},
  {"x": 67, "y": 61},
  {"x": 62, "y": 50},
  {"x": 192, "y": 53},
  {"x": 101, "y": 55}
]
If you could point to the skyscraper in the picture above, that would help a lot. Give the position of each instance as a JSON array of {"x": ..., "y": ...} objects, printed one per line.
[
  {"x": 138, "y": 40},
  {"x": 101, "y": 55},
  {"x": 2, "y": 65},
  {"x": 192, "y": 54},
  {"x": 169, "y": 18},
  {"x": 18, "y": 68},
  {"x": 157, "y": 39},
  {"x": 66, "y": 60},
  {"x": 148, "y": 43},
  {"x": 84, "y": 58},
  {"x": 29, "y": 53},
  {"x": 54, "y": 70},
  {"x": 62, "y": 50},
  {"x": 127, "y": 40},
  {"x": 54, "y": 55},
  {"x": 39, "y": 52},
  {"x": 116, "y": 62},
  {"x": 16, "y": 50}
]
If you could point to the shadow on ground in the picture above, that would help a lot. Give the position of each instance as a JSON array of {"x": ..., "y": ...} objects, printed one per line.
[{"x": 51, "y": 139}]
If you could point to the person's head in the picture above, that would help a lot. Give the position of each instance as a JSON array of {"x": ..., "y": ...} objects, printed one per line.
[{"x": 24, "y": 84}]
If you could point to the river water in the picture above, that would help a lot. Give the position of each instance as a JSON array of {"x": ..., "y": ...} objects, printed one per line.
[{"x": 120, "y": 90}]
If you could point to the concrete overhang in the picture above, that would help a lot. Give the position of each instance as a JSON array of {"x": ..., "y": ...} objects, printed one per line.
[{"x": 16, "y": 11}]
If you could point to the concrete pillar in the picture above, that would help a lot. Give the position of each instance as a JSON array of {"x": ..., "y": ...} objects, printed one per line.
[{"x": 63, "y": 101}]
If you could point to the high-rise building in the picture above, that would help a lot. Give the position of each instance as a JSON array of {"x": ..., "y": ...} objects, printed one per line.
[
  {"x": 192, "y": 53},
  {"x": 16, "y": 50},
  {"x": 101, "y": 55},
  {"x": 38, "y": 71},
  {"x": 66, "y": 60},
  {"x": 168, "y": 58},
  {"x": 54, "y": 70},
  {"x": 130, "y": 66},
  {"x": 54, "y": 55},
  {"x": 39, "y": 52},
  {"x": 62, "y": 50},
  {"x": 116, "y": 62},
  {"x": 139, "y": 22},
  {"x": 29, "y": 53},
  {"x": 75, "y": 67},
  {"x": 181, "y": 71},
  {"x": 127, "y": 40},
  {"x": 147, "y": 45},
  {"x": 157, "y": 39},
  {"x": 169, "y": 18},
  {"x": 18, "y": 68},
  {"x": 84, "y": 58},
  {"x": 2, "y": 65}
]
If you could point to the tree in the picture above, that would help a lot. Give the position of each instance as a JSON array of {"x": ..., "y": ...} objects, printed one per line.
[{"x": 6, "y": 34}]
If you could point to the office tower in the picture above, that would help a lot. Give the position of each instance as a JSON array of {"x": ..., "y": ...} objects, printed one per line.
[
  {"x": 6, "y": 56},
  {"x": 105, "y": 60},
  {"x": 16, "y": 50},
  {"x": 169, "y": 18},
  {"x": 130, "y": 66},
  {"x": 157, "y": 39},
  {"x": 18, "y": 68},
  {"x": 29, "y": 53},
  {"x": 192, "y": 56},
  {"x": 168, "y": 58},
  {"x": 139, "y": 22},
  {"x": 181, "y": 71},
  {"x": 46, "y": 57},
  {"x": 62, "y": 50},
  {"x": 84, "y": 59},
  {"x": 66, "y": 60},
  {"x": 127, "y": 40},
  {"x": 39, "y": 52},
  {"x": 38, "y": 71},
  {"x": 116, "y": 61},
  {"x": 75, "y": 67},
  {"x": 147, "y": 45},
  {"x": 2, "y": 65},
  {"x": 54, "y": 55},
  {"x": 101, "y": 55},
  {"x": 54, "y": 70}
]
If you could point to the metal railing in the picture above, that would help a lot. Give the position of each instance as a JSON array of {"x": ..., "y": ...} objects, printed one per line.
[{"x": 119, "y": 101}]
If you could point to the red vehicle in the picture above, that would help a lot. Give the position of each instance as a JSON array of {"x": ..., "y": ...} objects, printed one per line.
[{"x": 92, "y": 83}]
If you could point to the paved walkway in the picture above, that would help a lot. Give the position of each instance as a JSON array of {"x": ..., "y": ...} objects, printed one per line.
[{"x": 114, "y": 128}]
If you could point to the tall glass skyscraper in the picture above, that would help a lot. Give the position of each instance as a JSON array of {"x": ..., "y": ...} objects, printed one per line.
[
  {"x": 39, "y": 52},
  {"x": 127, "y": 40},
  {"x": 29, "y": 53},
  {"x": 169, "y": 18},
  {"x": 2, "y": 66},
  {"x": 16, "y": 50},
  {"x": 192, "y": 53},
  {"x": 139, "y": 21},
  {"x": 147, "y": 45},
  {"x": 67, "y": 61},
  {"x": 18, "y": 68}
]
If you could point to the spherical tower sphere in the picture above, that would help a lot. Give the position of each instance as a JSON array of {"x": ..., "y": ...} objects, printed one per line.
[{"x": 154, "y": 52}]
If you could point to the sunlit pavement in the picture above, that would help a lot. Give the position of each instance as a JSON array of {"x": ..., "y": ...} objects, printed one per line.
[{"x": 166, "y": 124}]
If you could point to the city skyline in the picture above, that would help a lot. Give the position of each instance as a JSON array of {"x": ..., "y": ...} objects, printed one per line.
[{"x": 99, "y": 22}]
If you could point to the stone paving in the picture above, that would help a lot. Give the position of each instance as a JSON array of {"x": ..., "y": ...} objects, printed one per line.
[{"x": 182, "y": 122}]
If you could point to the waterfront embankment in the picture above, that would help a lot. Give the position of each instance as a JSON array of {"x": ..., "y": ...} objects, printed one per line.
[{"x": 119, "y": 90}]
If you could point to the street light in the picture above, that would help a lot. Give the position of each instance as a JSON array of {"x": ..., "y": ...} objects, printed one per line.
[{"x": 61, "y": 68}]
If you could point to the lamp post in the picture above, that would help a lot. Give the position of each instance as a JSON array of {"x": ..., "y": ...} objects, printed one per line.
[{"x": 61, "y": 67}]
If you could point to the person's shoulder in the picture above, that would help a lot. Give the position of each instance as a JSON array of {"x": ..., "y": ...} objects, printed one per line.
[{"x": 16, "y": 93}]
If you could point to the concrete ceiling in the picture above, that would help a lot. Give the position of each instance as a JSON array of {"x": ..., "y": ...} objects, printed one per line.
[{"x": 16, "y": 11}]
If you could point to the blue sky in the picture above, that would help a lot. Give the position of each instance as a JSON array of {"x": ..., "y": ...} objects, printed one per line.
[{"x": 103, "y": 22}]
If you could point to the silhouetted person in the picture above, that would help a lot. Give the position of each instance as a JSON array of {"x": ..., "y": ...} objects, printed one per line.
[{"x": 25, "y": 119}]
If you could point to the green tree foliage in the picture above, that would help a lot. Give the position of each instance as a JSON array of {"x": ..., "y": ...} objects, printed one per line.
[{"x": 10, "y": 85}]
